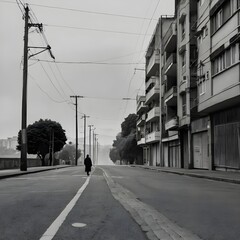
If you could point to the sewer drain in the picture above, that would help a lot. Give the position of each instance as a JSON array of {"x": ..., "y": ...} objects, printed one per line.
[{"x": 79, "y": 225}]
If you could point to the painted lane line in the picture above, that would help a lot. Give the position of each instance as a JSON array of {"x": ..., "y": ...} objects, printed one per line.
[{"x": 54, "y": 227}]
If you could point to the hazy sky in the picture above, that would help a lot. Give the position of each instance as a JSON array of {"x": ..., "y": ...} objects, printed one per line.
[{"x": 112, "y": 33}]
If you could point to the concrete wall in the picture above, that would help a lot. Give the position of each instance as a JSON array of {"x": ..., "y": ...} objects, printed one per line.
[{"x": 13, "y": 163}]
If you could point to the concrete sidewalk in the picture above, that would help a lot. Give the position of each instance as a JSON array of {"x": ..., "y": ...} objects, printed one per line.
[
  {"x": 231, "y": 177},
  {"x": 16, "y": 172}
]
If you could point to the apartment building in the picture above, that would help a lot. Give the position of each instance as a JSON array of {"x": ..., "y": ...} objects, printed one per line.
[
  {"x": 219, "y": 80},
  {"x": 141, "y": 112},
  {"x": 169, "y": 120},
  {"x": 191, "y": 113},
  {"x": 149, "y": 129},
  {"x": 186, "y": 18}
]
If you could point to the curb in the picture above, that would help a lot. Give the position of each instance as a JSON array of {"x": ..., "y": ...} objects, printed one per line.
[
  {"x": 219, "y": 179},
  {"x": 30, "y": 172}
]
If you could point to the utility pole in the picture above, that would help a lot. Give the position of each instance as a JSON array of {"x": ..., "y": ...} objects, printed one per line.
[
  {"x": 27, "y": 26},
  {"x": 84, "y": 145},
  {"x": 97, "y": 152},
  {"x": 23, "y": 165},
  {"x": 94, "y": 147},
  {"x": 90, "y": 128},
  {"x": 76, "y": 104},
  {"x": 52, "y": 147}
]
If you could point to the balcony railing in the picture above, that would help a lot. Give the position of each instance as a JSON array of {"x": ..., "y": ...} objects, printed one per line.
[
  {"x": 171, "y": 97},
  {"x": 141, "y": 120},
  {"x": 153, "y": 114},
  {"x": 171, "y": 65},
  {"x": 172, "y": 124},
  {"x": 153, "y": 63},
  {"x": 141, "y": 107},
  {"x": 141, "y": 141},
  {"x": 153, "y": 137},
  {"x": 170, "y": 38},
  {"x": 151, "y": 81},
  {"x": 153, "y": 93}
]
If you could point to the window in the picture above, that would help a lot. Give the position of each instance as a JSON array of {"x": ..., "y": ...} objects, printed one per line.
[
  {"x": 228, "y": 8},
  {"x": 233, "y": 6},
  {"x": 233, "y": 50},
  {"x": 183, "y": 59},
  {"x": 184, "y": 107},
  {"x": 224, "y": 60},
  {"x": 202, "y": 86},
  {"x": 183, "y": 29}
]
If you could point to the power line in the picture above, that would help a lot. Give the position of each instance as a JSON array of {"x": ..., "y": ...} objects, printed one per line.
[
  {"x": 130, "y": 82},
  {"x": 83, "y": 62},
  {"x": 93, "y": 29},
  {"x": 44, "y": 90},
  {"x": 86, "y": 11}
]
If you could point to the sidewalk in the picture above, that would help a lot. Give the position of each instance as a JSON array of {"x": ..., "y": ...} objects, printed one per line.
[
  {"x": 16, "y": 172},
  {"x": 231, "y": 177}
]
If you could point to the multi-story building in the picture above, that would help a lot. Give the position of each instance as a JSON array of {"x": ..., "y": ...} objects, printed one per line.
[
  {"x": 9, "y": 143},
  {"x": 219, "y": 80},
  {"x": 186, "y": 18},
  {"x": 169, "y": 121},
  {"x": 151, "y": 130},
  {"x": 141, "y": 112},
  {"x": 192, "y": 113}
]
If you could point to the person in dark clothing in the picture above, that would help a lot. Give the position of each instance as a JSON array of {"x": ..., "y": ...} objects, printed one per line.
[{"x": 88, "y": 164}]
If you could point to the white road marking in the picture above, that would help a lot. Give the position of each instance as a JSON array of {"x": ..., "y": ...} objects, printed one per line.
[
  {"x": 79, "y": 225},
  {"x": 54, "y": 227}
]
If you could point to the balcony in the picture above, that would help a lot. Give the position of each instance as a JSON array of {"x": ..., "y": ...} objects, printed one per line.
[
  {"x": 152, "y": 82},
  {"x": 141, "y": 141},
  {"x": 153, "y": 137},
  {"x": 170, "y": 38},
  {"x": 153, "y": 63},
  {"x": 141, "y": 107},
  {"x": 154, "y": 93},
  {"x": 153, "y": 114},
  {"x": 172, "y": 124},
  {"x": 171, "y": 65},
  {"x": 171, "y": 97},
  {"x": 141, "y": 121},
  {"x": 182, "y": 87}
]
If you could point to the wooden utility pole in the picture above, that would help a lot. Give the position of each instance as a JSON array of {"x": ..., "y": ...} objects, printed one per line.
[
  {"x": 84, "y": 144},
  {"x": 90, "y": 128},
  {"x": 27, "y": 26},
  {"x": 23, "y": 163},
  {"x": 76, "y": 104}
]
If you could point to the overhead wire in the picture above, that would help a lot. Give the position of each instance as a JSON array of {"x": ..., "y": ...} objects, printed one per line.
[
  {"x": 130, "y": 82},
  {"x": 93, "y": 29}
]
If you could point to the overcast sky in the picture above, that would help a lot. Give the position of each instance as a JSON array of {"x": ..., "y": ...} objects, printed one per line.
[{"x": 112, "y": 33}]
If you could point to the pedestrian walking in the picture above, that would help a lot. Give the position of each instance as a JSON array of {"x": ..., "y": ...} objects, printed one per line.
[{"x": 88, "y": 164}]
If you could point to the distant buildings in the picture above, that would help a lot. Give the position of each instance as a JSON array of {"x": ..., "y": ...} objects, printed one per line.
[
  {"x": 9, "y": 143},
  {"x": 189, "y": 116}
]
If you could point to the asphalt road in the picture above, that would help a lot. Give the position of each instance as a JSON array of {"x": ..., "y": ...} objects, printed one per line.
[{"x": 117, "y": 202}]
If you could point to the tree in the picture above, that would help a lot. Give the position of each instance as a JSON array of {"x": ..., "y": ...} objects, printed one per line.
[
  {"x": 68, "y": 153},
  {"x": 129, "y": 124},
  {"x": 41, "y": 135},
  {"x": 125, "y": 146}
]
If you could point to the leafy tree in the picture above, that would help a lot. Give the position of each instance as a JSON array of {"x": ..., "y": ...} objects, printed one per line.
[
  {"x": 68, "y": 153},
  {"x": 114, "y": 154},
  {"x": 39, "y": 135},
  {"x": 129, "y": 124},
  {"x": 125, "y": 146}
]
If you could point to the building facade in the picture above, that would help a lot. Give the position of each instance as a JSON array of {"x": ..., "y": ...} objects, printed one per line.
[{"x": 192, "y": 110}]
